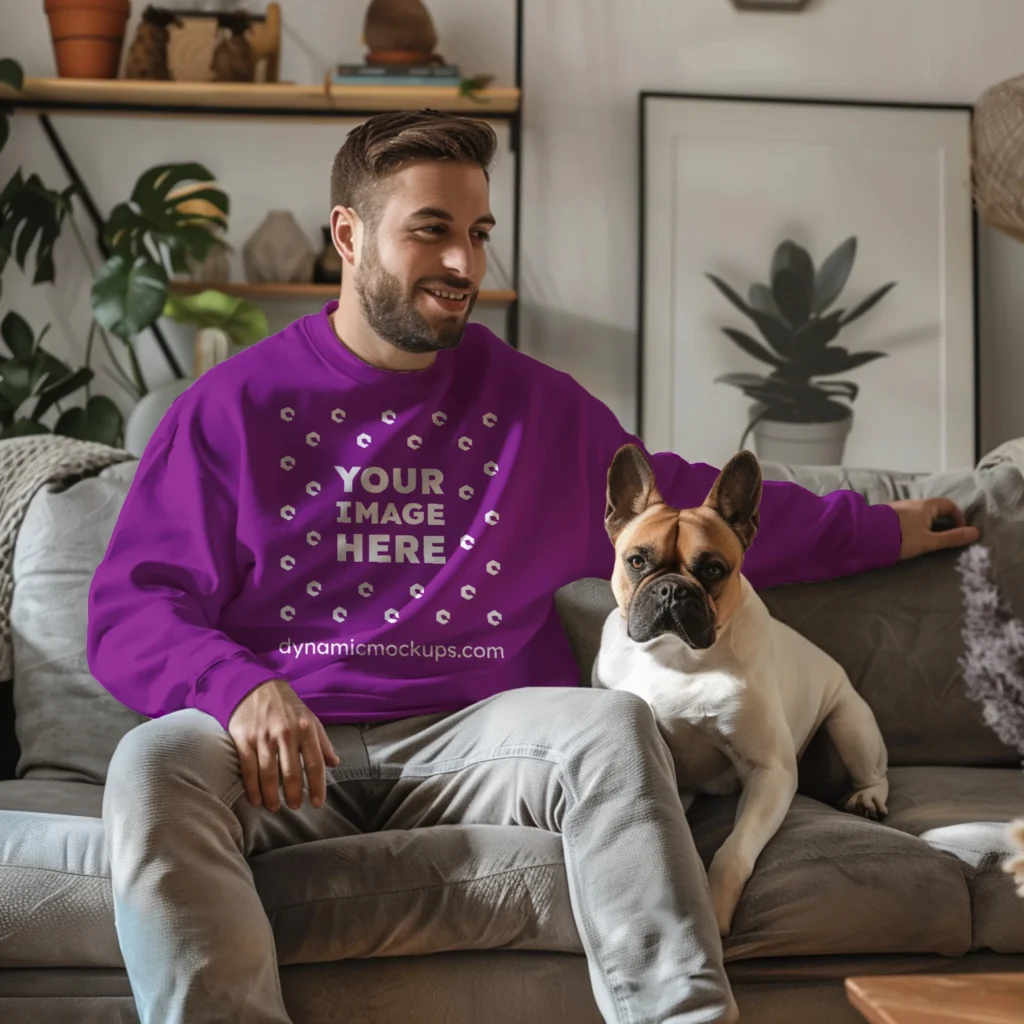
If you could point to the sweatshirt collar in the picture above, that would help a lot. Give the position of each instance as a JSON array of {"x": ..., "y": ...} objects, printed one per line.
[{"x": 321, "y": 336}]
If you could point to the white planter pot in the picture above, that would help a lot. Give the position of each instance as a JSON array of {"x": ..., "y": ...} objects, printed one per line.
[
  {"x": 802, "y": 444},
  {"x": 147, "y": 413}
]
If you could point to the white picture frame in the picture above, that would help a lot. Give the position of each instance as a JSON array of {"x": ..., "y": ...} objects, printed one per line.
[{"x": 724, "y": 181}]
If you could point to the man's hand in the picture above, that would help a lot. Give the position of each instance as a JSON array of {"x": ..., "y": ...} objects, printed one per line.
[
  {"x": 917, "y": 517},
  {"x": 272, "y": 728}
]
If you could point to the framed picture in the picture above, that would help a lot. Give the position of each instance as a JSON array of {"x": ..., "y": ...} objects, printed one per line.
[{"x": 808, "y": 283}]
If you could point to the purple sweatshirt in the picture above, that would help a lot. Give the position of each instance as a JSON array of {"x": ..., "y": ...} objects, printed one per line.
[{"x": 390, "y": 543}]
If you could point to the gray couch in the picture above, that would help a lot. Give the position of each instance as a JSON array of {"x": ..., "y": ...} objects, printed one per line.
[{"x": 473, "y": 924}]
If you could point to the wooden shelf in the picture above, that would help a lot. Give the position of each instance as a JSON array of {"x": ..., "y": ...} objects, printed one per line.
[
  {"x": 276, "y": 99},
  {"x": 299, "y": 292}
]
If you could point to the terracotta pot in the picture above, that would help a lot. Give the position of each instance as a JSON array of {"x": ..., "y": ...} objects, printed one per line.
[{"x": 88, "y": 36}]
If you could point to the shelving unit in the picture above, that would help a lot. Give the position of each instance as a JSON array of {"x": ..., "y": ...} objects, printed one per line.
[
  {"x": 225, "y": 99},
  {"x": 271, "y": 101}
]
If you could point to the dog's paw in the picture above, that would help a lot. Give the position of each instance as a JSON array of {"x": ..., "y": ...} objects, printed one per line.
[{"x": 870, "y": 801}]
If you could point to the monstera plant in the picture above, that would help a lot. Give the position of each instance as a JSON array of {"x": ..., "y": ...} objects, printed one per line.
[
  {"x": 150, "y": 236},
  {"x": 794, "y": 316}
]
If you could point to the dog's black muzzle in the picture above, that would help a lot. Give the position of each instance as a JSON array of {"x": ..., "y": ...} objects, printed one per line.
[{"x": 671, "y": 604}]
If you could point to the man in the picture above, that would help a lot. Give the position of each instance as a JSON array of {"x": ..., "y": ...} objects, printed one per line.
[{"x": 347, "y": 539}]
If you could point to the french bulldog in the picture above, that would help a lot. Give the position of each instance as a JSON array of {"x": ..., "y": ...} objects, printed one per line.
[{"x": 737, "y": 694}]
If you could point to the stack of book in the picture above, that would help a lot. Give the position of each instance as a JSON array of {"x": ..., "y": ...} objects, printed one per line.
[{"x": 397, "y": 74}]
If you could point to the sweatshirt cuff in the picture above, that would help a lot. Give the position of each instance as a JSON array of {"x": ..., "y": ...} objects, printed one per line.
[
  {"x": 223, "y": 686},
  {"x": 883, "y": 537}
]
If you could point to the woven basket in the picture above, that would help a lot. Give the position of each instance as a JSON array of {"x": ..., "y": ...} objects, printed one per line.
[{"x": 998, "y": 156}]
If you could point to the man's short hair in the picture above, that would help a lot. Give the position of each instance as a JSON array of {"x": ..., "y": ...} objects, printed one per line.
[{"x": 379, "y": 146}]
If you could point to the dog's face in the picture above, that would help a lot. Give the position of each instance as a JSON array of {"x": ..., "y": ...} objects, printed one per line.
[{"x": 678, "y": 570}]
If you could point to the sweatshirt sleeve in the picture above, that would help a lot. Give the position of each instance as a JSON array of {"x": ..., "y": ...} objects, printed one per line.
[
  {"x": 803, "y": 537},
  {"x": 170, "y": 567}
]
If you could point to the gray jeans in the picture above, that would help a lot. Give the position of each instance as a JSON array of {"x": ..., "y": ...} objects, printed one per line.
[{"x": 587, "y": 764}]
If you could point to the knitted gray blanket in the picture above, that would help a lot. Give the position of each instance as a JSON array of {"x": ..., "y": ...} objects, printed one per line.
[{"x": 26, "y": 464}]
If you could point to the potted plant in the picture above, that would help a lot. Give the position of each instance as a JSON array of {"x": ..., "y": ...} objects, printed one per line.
[
  {"x": 32, "y": 380},
  {"x": 87, "y": 36},
  {"x": 154, "y": 232},
  {"x": 799, "y": 416}
]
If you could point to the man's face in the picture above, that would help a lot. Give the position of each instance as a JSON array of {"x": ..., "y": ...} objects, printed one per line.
[{"x": 418, "y": 273}]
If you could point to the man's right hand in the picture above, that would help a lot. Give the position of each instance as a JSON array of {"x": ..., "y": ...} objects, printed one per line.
[{"x": 272, "y": 729}]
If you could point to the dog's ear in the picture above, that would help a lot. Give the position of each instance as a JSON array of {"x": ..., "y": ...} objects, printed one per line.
[
  {"x": 631, "y": 489},
  {"x": 736, "y": 496}
]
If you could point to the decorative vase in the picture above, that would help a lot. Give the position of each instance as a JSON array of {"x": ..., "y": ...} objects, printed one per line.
[
  {"x": 233, "y": 59},
  {"x": 328, "y": 263},
  {"x": 801, "y": 444},
  {"x": 147, "y": 56},
  {"x": 279, "y": 251},
  {"x": 212, "y": 346},
  {"x": 399, "y": 32},
  {"x": 88, "y": 36}
]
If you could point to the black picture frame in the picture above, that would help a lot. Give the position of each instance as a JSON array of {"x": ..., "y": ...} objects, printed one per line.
[{"x": 643, "y": 100}]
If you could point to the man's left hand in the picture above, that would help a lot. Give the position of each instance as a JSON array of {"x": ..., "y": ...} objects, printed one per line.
[{"x": 917, "y": 517}]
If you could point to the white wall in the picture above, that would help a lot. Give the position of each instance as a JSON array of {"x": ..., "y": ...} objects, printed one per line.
[{"x": 586, "y": 61}]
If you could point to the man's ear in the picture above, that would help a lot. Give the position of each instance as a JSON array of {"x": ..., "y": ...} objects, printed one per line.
[
  {"x": 346, "y": 227},
  {"x": 736, "y": 496},
  {"x": 631, "y": 489}
]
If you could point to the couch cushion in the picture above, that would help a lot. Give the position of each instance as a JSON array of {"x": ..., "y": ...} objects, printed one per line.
[
  {"x": 963, "y": 812},
  {"x": 833, "y": 883},
  {"x": 55, "y": 901},
  {"x": 66, "y": 723}
]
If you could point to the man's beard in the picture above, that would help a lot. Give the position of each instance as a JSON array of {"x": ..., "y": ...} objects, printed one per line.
[{"x": 393, "y": 315}]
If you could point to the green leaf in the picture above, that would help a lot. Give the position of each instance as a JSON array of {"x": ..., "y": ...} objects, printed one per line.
[
  {"x": 21, "y": 377},
  {"x": 776, "y": 332},
  {"x": 100, "y": 420},
  {"x": 5, "y": 128},
  {"x": 761, "y": 299},
  {"x": 11, "y": 74},
  {"x": 766, "y": 389},
  {"x": 827, "y": 361},
  {"x": 157, "y": 218},
  {"x": 126, "y": 299},
  {"x": 63, "y": 387},
  {"x": 862, "y": 359},
  {"x": 794, "y": 264},
  {"x": 244, "y": 322},
  {"x": 30, "y": 211},
  {"x": 751, "y": 346},
  {"x": 743, "y": 380},
  {"x": 816, "y": 334},
  {"x": 196, "y": 240},
  {"x": 874, "y": 298},
  {"x": 17, "y": 335},
  {"x": 792, "y": 298},
  {"x": 833, "y": 274},
  {"x": 23, "y": 427},
  {"x": 154, "y": 184},
  {"x": 730, "y": 294}
]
